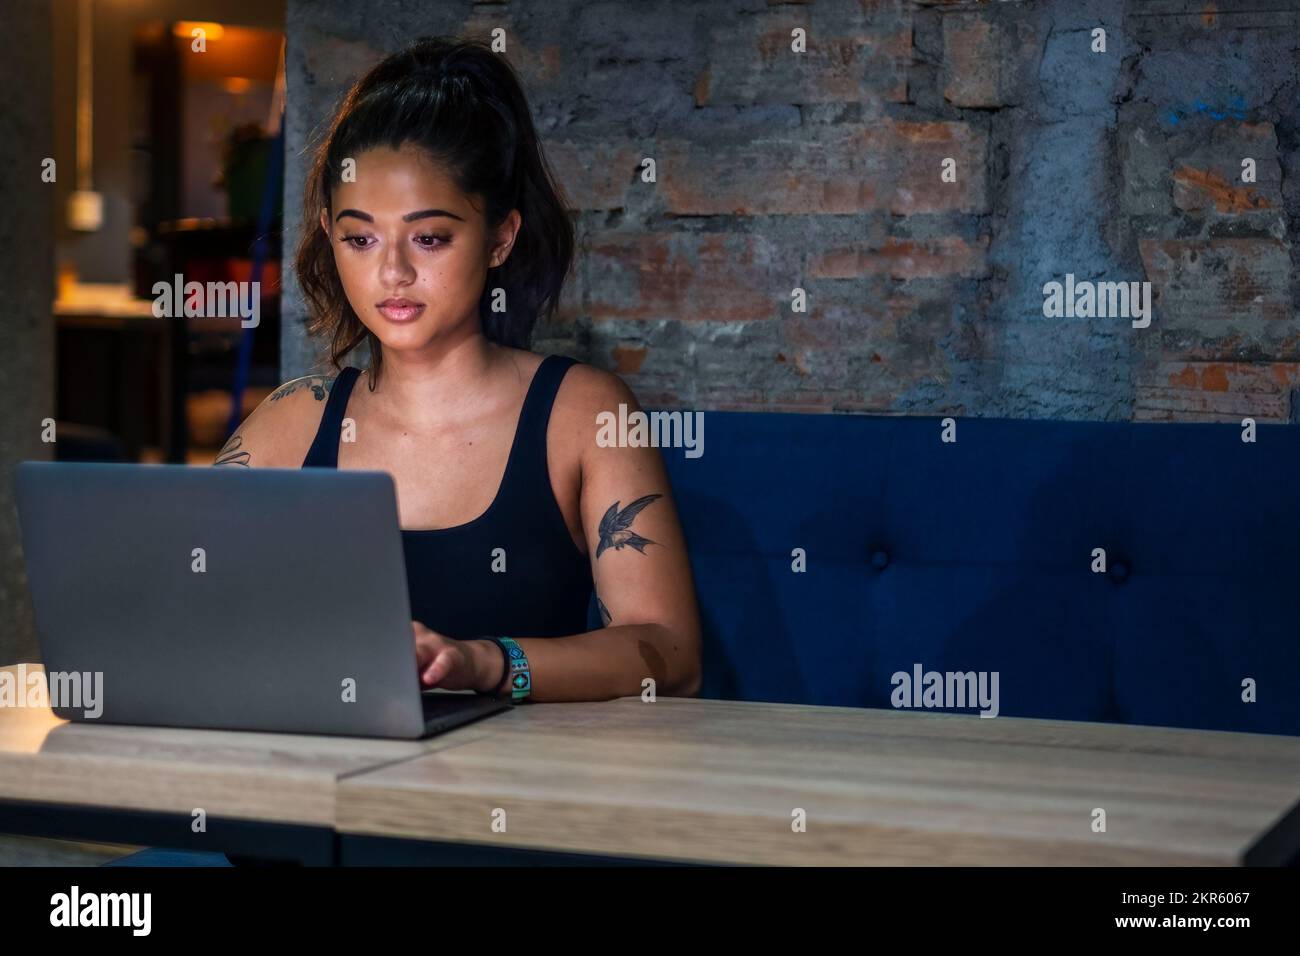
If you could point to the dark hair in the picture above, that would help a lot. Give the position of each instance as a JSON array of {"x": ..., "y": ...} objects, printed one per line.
[{"x": 464, "y": 105}]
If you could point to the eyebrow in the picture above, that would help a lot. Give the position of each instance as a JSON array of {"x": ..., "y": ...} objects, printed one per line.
[{"x": 409, "y": 217}]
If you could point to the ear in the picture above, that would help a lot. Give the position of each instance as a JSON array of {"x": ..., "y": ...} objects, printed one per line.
[{"x": 505, "y": 238}]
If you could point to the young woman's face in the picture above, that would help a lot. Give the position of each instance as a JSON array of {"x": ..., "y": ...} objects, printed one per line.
[{"x": 411, "y": 249}]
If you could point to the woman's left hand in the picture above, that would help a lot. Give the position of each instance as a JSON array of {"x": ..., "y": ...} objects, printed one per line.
[{"x": 448, "y": 663}]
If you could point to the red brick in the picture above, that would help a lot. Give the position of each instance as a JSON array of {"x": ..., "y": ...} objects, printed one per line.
[
  {"x": 905, "y": 259},
  {"x": 972, "y": 60},
  {"x": 628, "y": 359},
  {"x": 593, "y": 175},
  {"x": 919, "y": 149},
  {"x": 989, "y": 56},
  {"x": 1200, "y": 188},
  {"x": 1207, "y": 170},
  {"x": 1206, "y": 280},
  {"x": 1215, "y": 391},
  {"x": 889, "y": 165},
  {"x": 863, "y": 62},
  {"x": 687, "y": 277}
]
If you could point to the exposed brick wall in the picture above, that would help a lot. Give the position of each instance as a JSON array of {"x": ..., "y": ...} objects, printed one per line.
[{"x": 821, "y": 171}]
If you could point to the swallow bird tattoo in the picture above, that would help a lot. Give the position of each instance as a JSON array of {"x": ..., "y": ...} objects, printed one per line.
[{"x": 616, "y": 527}]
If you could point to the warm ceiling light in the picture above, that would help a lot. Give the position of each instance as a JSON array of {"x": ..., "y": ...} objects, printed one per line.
[
  {"x": 186, "y": 28},
  {"x": 236, "y": 84}
]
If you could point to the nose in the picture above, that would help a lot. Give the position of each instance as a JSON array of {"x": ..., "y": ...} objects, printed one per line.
[{"x": 395, "y": 268}]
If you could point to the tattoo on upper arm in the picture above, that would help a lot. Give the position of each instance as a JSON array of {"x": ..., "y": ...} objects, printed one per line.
[
  {"x": 233, "y": 453},
  {"x": 320, "y": 387},
  {"x": 605, "y": 616},
  {"x": 616, "y": 527}
]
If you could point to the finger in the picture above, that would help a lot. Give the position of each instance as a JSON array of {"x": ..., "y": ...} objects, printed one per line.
[{"x": 438, "y": 670}]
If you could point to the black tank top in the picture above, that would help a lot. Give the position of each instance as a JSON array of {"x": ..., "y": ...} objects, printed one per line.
[{"x": 545, "y": 589}]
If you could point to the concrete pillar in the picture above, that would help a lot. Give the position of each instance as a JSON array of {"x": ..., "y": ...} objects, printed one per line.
[{"x": 26, "y": 292}]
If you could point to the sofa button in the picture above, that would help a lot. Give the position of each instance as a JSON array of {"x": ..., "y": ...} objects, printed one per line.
[
  {"x": 879, "y": 559},
  {"x": 1119, "y": 570}
]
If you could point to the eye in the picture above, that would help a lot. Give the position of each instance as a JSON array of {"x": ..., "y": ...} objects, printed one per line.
[
  {"x": 358, "y": 242},
  {"x": 431, "y": 241}
]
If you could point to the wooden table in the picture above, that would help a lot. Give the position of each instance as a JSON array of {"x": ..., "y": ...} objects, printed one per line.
[
  {"x": 718, "y": 781},
  {"x": 678, "y": 779},
  {"x": 262, "y": 794}
]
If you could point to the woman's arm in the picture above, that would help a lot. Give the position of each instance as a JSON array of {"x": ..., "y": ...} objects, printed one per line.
[
  {"x": 278, "y": 433},
  {"x": 639, "y": 565}
]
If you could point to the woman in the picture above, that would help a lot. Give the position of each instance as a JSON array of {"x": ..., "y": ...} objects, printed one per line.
[{"x": 438, "y": 239}]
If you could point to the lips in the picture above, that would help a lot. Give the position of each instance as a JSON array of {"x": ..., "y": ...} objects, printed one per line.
[{"x": 400, "y": 310}]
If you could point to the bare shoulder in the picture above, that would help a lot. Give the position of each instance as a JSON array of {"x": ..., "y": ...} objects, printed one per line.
[
  {"x": 586, "y": 391},
  {"x": 587, "y": 397},
  {"x": 280, "y": 430}
]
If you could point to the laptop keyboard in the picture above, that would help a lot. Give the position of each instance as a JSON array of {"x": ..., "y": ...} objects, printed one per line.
[{"x": 436, "y": 705}]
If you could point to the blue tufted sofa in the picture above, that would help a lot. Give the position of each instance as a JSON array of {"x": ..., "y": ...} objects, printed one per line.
[{"x": 978, "y": 555}]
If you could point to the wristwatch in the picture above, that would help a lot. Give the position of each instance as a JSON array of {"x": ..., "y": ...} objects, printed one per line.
[{"x": 517, "y": 671}]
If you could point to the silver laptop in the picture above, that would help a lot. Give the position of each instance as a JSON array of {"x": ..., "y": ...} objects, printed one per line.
[{"x": 269, "y": 599}]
